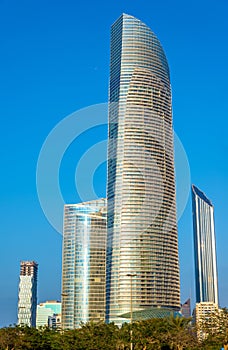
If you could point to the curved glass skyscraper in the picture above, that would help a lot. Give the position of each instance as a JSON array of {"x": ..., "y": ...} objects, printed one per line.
[
  {"x": 142, "y": 248},
  {"x": 204, "y": 247}
]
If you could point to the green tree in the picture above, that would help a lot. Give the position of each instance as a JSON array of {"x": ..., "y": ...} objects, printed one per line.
[
  {"x": 161, "y": 333},
  {"x": 10, "y": 338},
  {"x": 148, "y": 334},
  {"x": 180, "y": 334}
]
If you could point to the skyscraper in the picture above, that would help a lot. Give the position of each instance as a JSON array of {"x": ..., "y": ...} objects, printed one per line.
[
  {"x": 83, "y": 266},
  {"x": 27, "y": 300},
  {"x": 186, "y": 309},
  {"x": 142, "y": 248},
  {"x": 206, "y": 279}
]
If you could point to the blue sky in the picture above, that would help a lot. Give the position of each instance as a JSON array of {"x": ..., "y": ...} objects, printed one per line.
[{"x": 54, "y": 61}]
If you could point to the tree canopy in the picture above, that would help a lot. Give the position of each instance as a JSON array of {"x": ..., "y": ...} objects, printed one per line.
[{"x": 154, "y": 334}]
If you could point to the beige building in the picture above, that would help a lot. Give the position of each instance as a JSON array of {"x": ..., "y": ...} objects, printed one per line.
[{"x": 202, "y": 312}]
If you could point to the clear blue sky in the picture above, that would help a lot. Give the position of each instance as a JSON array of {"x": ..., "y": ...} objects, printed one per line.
[{"x": 54, "y": 61}]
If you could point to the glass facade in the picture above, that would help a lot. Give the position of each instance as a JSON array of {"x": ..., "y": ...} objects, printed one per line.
[
  {"x": 204, "y": 247},
  {"x": 27, "y": 300},
  {"x": 83, "y": 266},
  {"x": 141, "y": 219}
]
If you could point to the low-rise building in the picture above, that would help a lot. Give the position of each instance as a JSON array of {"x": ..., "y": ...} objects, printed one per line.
[
  {"x": 47, "y": 311},
  {"x": 202, "y": 313}
]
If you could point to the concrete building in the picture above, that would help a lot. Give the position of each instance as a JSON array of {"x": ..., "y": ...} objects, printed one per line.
[
  {"x": 27, "y": 298},
  {"x": 50, "y": 308},
  {"x": 203, "y": 311},
  {"x": 55, "y": 321}
]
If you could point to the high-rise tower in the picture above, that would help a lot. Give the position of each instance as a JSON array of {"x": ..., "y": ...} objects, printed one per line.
[
  {"x": 205, "y": 248},
  {"x": 142, "y": 248},
  {"x": 27, "y": 300},
  {"x": 83, "y": 265}
]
